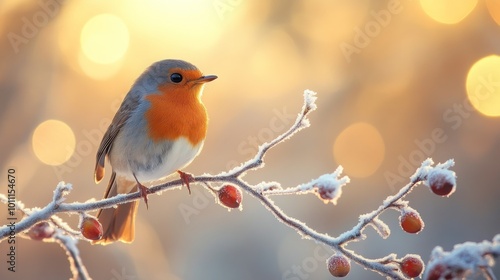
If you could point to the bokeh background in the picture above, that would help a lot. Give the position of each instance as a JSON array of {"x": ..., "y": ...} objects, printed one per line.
[{"x": 397, "y": 81}]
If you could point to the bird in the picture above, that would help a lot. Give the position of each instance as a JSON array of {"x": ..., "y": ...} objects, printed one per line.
[{"x": 159, "y": 128}]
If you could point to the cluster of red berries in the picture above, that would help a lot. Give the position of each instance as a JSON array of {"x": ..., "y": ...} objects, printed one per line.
[
  {"x": 89, "y": 227},
  {"x": 411, "y": 266},
  {"x": 410, "y": 219}
]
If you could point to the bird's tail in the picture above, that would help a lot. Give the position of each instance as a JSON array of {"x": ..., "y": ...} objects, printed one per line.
[{"x": 118, "y": 223}]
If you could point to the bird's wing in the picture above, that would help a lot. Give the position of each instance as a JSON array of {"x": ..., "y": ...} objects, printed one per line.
[{"x": 128, "y": 105}]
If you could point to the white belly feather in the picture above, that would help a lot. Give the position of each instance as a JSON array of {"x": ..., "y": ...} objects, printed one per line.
[{"x": 151, "y": 162}]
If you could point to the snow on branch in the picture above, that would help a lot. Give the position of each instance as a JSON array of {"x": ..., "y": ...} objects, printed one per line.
[
  {"x": 465, "y": 260},
  {"x": 68, "y": 243},
  {"x": 328, "y": 187},
  {"x": 44, "y": 224}
]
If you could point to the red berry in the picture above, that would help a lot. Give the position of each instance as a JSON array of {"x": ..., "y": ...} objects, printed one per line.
[
  {"x": 440, "y": 185},
  {"x": 437, "y": 272},
  {"x": 41, "y": 231},
  {"x": 411, "y": 222},
  {"x": 338, "y": 266},
  {"x": 412, "y": 266},
  {"x": 91, "y": 228},
  {"x": 230, "y": 196}
]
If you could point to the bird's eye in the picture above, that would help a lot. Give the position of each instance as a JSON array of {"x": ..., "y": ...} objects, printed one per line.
[{"x": 176, "y": 78}]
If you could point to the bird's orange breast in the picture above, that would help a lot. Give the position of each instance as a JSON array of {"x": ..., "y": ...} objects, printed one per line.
[{"x": 176, "y": 112}]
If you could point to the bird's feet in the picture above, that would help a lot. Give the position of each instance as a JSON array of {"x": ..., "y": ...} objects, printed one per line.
[
  {"x": 186, "y": 178},
  {"x": 143, "y": 190}
]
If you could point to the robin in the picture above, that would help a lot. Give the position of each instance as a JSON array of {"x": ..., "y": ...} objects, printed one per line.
[{"x": 159, "y": 128}]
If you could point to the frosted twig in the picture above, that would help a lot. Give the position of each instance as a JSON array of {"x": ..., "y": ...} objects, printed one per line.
[
  {"x": 78, "y": 270},
  {"x": 466, "y": 259}
]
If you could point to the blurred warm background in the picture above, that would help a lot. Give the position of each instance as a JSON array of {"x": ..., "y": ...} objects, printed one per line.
[{"x": 397, "y": 81}]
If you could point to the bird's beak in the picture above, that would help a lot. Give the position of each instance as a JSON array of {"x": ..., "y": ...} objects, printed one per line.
[{"x": 205, "y": 79}]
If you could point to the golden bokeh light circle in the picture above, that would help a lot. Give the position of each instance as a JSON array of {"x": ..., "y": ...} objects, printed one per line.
[
  {"x": 104, "y": 38},
  {"x": 98, "y": 71},
  {"x": 53, "y": 142},
  {"x": 360, "y": 149},
  {"x": 483, "y": 85},
  {"x": 494, "y": 9},
  {"x": 448, "y": 11}
]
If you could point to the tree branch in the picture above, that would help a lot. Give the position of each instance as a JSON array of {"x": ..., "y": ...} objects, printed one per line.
[{"x": 68, "y": 243}]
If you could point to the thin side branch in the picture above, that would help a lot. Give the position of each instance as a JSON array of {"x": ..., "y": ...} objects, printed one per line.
[{"x": 68, "y": 243}]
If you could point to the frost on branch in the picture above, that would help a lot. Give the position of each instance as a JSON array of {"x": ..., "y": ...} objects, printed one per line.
[
  {"x": 267, "y": 187},
  {"x": 465, "y": 260},
  {"x": 382, "y": 228},
  {"x": 69, "y": 244},
  {"x": 61, "y": 190},
  {"x": 328, "y": 187},
  {"x": 309, "y": 101}
]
